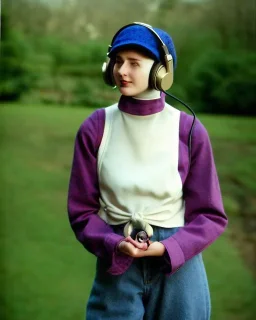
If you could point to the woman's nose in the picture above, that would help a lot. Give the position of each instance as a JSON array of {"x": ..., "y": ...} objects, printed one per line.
[{"x": 123, "y": 70}]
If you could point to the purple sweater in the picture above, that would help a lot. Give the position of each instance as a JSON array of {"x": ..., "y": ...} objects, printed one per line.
[{"x": 205, "y": 218}]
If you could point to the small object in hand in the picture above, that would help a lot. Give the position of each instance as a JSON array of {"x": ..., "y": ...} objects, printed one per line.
[{"x": 142, "y": 237}]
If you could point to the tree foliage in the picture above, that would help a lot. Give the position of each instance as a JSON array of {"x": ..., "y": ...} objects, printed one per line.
[
  {"x": 234, "y": 21},
  {"x": 224, "y": 82},
  {"x": 16, "y": 77},
  {"x": 215, "y": 43}
]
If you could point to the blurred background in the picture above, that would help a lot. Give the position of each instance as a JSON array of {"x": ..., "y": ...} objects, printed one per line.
[{"x": 51, "y": 57}]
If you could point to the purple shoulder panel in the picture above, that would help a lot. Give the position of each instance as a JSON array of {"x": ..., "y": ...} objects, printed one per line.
[
  {"x": 83, "y": 197},
  {"x": 184, "y": 128},
  {"x": 205, "y": 219}
]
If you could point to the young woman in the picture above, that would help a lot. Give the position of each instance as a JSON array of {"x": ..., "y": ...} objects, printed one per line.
[{"x": 142, "y": 199}]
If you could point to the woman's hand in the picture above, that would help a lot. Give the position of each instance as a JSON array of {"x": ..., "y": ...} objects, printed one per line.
[
  {"x": 156, "y": 249},
  {"x": 136, "y": 249}
]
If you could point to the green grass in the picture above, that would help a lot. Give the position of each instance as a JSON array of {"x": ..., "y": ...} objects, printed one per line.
[{"x": 45, "y": 273}]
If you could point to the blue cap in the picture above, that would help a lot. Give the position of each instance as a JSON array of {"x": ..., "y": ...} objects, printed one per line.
[{"x": 136, "y": 35}]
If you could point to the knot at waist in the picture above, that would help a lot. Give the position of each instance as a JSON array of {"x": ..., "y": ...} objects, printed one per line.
[
  {"x": 137, "y": 218},
  {"x": 137, "y": 222}
]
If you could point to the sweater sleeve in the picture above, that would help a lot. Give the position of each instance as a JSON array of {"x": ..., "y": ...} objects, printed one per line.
[
  {"x": 83, "y": 197},
  {"x": 205, "y": 218}
]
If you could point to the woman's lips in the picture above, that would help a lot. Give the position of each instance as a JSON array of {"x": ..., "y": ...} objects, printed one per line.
[{"x": 124, "y": 83}]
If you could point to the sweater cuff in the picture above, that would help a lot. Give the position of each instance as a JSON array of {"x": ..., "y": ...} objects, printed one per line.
[
  {"x": 120, "y": 262},
  {"x": 174, "y": 253}
]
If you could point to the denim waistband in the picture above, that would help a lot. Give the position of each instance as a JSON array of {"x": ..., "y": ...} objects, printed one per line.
[{"x": 160, "y": 233}]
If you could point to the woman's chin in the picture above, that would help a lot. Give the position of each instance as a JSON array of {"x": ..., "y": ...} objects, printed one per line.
[{"x": 127, "y": 92}]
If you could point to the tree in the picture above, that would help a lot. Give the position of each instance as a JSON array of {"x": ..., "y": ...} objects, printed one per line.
[
  {"x": 15, "y": 75},
  {"x": 224, "y": 82},
  {"x": 233, "y": 20}
]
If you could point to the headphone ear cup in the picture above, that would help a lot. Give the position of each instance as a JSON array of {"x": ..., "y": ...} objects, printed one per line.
[
  {"x": 164, "y": 79},
  {"x": 159, "y": 78},
  {"x": 152, "y": 75},
  {"x": 107, "y": 72}
]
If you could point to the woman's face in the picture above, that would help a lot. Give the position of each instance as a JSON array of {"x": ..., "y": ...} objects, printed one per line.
[{"x": 131, "y": 72}]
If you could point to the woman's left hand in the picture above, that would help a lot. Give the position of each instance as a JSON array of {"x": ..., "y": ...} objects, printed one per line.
[{"x": 156, "y": 249}]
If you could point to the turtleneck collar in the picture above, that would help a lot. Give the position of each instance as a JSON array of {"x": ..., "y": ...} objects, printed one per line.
[{"x": 141, "y": 107}]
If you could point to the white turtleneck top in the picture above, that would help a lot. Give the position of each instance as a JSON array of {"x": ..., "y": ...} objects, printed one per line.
[{"x": 138, "y": 169}]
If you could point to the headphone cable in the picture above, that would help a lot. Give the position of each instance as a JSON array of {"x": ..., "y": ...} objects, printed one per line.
[{"x": 192, "y": 125}]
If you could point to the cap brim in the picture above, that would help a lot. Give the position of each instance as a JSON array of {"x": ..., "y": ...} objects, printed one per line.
[{"x": 132, "y": 46}]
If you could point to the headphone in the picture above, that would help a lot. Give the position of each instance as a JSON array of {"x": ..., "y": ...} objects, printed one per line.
[{"x": 161, "y": 75}]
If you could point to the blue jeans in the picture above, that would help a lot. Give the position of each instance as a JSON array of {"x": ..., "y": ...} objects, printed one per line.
[{"x": 145, "y": 292}]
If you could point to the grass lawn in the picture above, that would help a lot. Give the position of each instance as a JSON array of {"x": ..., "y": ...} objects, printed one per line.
[{"x": 45, "y": 273}]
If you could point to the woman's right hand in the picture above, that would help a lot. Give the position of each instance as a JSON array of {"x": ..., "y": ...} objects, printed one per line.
[{"x": 132, "y": 248}]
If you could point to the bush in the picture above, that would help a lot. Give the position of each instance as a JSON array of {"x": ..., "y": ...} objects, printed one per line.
[
  {"x": 70, "y": 54},
  {"x": 16, "y": 74},
  {"x": 93, "y": 93},
  {"x": 224, "y": 82}
]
